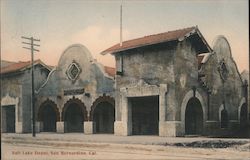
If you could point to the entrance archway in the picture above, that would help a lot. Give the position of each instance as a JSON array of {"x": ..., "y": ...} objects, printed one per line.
[
  {"x": 193, "y": 117},
  {"x": 243, "y": 116},
  {"x": 9, "y": 115},
  {"x": 224, "y": 119},
  {"x": 103, "y": 114},
  {"x": 104, "y": 117},
  {"x": 48, "y": 114},
  {"x": 74, "y": 114},
  {"x": 8, "y": 119},
  {"x": 145, "y": 115}
]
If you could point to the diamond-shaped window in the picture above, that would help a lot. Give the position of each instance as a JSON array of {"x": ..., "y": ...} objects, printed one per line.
[{"x": 73, "y": 71}]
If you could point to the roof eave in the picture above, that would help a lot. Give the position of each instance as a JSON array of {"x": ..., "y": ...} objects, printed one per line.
[
  {"x": 192, "y": 32},
  {"x": 204, "y": 40},
  {"x": 188, "y": 34},
  {"x": 27, "y": 67},
  {"x": 144, "y": 45},
  {"x": 10, "y": 72},
  {"x": 36, "y": 63},
  {"x": 106, "y": 52},
  {"x": 44, "y": 65}
]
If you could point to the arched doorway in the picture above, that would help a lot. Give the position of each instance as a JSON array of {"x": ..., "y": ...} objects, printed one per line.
[
  {"x": 104, "y": 117},
  {"x": 193, "y": 117},
  {"x": 48, "y": 115},
  {"x": 224, "y": 119},
  {"x": 49, "y": 119},
  {"x": 103, "y": 114},
  {"x": 243, "y": 116},
  {"x": 74, "y": 114}
]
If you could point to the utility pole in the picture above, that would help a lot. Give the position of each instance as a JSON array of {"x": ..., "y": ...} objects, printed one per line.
[
  {"x": 32, "y": 49},
  {"x": 121, "y": 24},
  {"x": 248, "y": 103}
]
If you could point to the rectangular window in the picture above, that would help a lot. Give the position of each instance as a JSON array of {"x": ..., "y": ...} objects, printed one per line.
[{"x": 119, "y": 65}]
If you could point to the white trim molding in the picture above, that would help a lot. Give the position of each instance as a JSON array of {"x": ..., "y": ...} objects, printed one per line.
[
  {"x": 187, "y": 97},
  {"x": 11, "y": 101}
]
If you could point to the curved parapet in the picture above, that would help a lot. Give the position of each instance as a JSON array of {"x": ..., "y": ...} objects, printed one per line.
[
  {"x": 222, "y": 47},
  {"x": 74, "y": 64},
  {"x": 75, "y": 51},
  {"x": 223, "y": 52},
  {"x": 77, "y": 70}
]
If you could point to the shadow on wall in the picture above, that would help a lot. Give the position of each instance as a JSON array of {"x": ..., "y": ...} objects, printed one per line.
[{"x": 241, "y": 132}]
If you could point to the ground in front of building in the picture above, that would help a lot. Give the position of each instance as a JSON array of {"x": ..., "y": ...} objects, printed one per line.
[{"x": 79, "y": 146}]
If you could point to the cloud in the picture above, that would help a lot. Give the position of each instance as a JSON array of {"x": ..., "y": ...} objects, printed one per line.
[{"x": 98, "y": 38}]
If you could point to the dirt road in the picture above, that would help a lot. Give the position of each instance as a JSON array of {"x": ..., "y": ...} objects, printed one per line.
[{"x": 64, "y": 151}]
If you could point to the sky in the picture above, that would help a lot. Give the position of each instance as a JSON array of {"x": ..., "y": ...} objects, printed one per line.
[{"x": 96, "y": 24}]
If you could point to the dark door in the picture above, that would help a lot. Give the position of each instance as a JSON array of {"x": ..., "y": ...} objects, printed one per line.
[
  {"x": 243, "y": 116},
  {"x": 104, "y": 117},
  {"x": 10, "y": 118},
  {"x": 145, "y": 115},
  {"x": 49, "y": 119},
  {"x": 74, "y": 118},
  {"x": 193, "y": 117}
]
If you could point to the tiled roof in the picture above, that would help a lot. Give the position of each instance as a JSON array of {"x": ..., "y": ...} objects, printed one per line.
[
  {"x": 18, "y": 66},
  {"x": 149, "y": 40},
  {"x": 110, "y": 71},
  {"x": 5, "y": 63}
]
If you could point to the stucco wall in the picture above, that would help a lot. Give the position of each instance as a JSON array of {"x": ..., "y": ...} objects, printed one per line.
[
  {"x": 176, "y": 65},
  {"x": 151, "y": 65},
  {"x": 186, "y": 75},
  {"x": 92, "y": 78},
  {"x": 172, "y": 64},
  {"x": 232, "y": 89},
  {"x": 18, "y": 85}
]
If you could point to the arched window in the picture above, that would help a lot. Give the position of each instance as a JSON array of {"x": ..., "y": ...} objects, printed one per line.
[
  {"x": 224, "y": 119},
  {"x": 194, "y": 117},
  {"x": 243, "y": 116}
]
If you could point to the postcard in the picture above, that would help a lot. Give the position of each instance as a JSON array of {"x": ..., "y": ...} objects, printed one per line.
[{"x": 143, "y": 79}]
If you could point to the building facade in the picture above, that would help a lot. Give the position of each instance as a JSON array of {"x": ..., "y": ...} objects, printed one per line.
[
  {"x": 16, "y": 94},
  {"x": 77, "y": 95},
  {"x": 174, "y": 84},
  {"x": 169, "y": 84}
]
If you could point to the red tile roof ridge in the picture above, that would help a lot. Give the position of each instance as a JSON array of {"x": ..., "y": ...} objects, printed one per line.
[
  {"x": 193, "y": 27},
  {"x": 149, "y": 39},
  {"x": 111, "y": 71},
  {"x": 162, "y": 33},
  {"x": 109, "y": 67},
  {"x": 2, "y": 60},
  {"x": 20, "y": 66}
]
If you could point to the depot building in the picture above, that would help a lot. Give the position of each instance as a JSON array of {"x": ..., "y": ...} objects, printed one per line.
[{"x": 168, "y": 84}]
